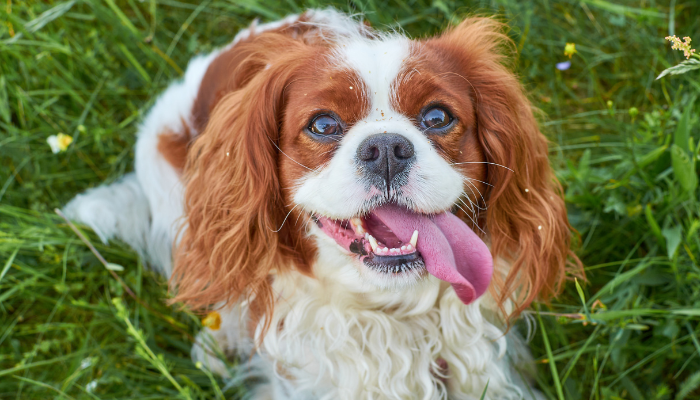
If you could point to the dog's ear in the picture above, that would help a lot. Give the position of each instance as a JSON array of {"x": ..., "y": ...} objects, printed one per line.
[
  {"x": 526, "y": 217},
  {"x": 233, "y": 202}
]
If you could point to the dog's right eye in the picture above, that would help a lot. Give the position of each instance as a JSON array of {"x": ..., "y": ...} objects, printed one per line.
[{"x": 325, "y": 125}]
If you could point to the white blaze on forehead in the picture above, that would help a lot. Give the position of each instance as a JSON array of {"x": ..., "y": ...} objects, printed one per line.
[{"x": 378, "y": 63}]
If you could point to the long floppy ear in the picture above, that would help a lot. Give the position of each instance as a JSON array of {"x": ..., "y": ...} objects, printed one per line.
[
  {"x": 233, "y": 200},
  {"x": 526, "y": 217}
]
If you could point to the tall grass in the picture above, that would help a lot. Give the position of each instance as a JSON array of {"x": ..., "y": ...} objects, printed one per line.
[{"x": 91, "y": 69}]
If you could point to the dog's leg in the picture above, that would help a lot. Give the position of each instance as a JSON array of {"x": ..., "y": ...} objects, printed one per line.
[{"x": 118, "y": 210}]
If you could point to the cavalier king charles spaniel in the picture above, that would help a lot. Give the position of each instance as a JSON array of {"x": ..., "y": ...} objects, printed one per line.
[{"x": 365, "y": 211}]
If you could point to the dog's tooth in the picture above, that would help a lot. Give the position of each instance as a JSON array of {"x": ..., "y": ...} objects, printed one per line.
[
  {"x": 373, "y": 243},
  {"x": 403, "y": 248},
  {"x": 414, "y": 238},
  {"x": 409, "y": 247},
  {"x": 357, "y": 225}
]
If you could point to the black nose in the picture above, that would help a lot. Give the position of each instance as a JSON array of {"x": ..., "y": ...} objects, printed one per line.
[{"x": 385, "y": 155}]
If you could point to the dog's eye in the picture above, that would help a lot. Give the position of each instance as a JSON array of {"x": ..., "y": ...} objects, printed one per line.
[
  {"x": 325, "y": 125},
  {"x": 435, "y": 118}
]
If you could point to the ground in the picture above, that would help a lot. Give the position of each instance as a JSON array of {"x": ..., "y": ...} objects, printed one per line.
[{"x": 619, "y": 144}]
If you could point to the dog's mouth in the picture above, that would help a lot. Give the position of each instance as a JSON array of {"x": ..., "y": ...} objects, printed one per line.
[
  {"x": 375, "y": 243},
  {"x": 394, "y": 240}
]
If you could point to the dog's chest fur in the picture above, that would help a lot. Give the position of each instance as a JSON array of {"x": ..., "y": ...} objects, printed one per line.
[{"x": 329, "y": 340}]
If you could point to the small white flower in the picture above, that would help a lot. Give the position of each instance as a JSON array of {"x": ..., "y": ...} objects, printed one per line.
[
  {"x": 90, "y": 387},
  {"x": 86, "y": 363},
  {"x": 59, "y": 142}
]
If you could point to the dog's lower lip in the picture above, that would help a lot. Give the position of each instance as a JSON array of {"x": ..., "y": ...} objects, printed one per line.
[
  {"x": 396, "y": 258},
  {"x": 394, "y": 264}
]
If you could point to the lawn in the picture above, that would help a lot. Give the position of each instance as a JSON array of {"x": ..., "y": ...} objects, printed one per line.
[{"x": 619, "y": 143}]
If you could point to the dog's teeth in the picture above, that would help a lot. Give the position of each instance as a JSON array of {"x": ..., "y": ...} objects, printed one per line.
[
  {"x": 409, "y": 247},
  {"x": 403, "y": 248},
  {"x": 373, "y": 243},
  {"x": 414, "y": 238},
  {"x": 357, "y": 225}
]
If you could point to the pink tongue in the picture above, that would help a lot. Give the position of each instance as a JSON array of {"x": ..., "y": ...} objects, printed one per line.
[{"x": 451, "y": 251}]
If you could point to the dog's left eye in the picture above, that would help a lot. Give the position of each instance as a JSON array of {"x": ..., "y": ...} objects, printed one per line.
[
  {"x": 324, "y": 125},
  {"x": 435, "y": 118}
]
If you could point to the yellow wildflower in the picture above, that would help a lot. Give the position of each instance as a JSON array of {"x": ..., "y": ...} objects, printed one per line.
[
  {"x": 212, "y": 321},
  {"x": 684, "y": 45},
  {"x": 570, "y": 49},
  {"x": 59, "y": 142}
]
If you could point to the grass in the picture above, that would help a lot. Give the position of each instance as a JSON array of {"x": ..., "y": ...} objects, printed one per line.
[{"x": 91, "y": 69}]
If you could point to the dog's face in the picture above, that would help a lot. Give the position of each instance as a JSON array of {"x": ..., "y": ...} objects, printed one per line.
[
  {"x": 401, "y": 156},
  {"x": 378, "y": 143}
]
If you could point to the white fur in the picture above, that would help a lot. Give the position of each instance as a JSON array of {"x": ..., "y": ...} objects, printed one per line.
[
  {"x": 116, "y": 210},
  {"x": 342, "y": 337}
]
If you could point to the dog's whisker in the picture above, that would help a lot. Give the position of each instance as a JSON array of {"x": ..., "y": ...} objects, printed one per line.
[
  {"x": 473, "y": 207},
  {"x": 303, "y": 209},
  {"x": 280, "y": 150},
  {"x": 471, "y": 219},
  {"x": 475, "y": 212},
  {"x": 476, "y": 180},
  {"x": 485, "y": 207},
  {"x": 470, "y": 186},
  {"x": 285, "y": 219},
  {"x": 478, "y": 94},
  {"x": 483, "y": 162}
]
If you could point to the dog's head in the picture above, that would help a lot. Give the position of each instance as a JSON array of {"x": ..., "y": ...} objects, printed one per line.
[{"x": 404, "y": 157}]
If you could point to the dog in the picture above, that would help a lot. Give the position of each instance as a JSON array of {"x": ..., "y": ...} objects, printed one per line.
[{"x": 368, "y": 213}]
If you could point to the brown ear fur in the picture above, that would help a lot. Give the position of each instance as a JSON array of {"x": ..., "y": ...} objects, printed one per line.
[
  {"x": 526, "y": 217},
  {"x": 233, "y": 201}
]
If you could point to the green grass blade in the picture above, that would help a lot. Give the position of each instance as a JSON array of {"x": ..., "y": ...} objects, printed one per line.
[{"x": 550, "y": 358}]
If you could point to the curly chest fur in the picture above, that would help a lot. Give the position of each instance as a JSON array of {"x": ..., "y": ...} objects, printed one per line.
[{"x": 330, "y": 342}]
